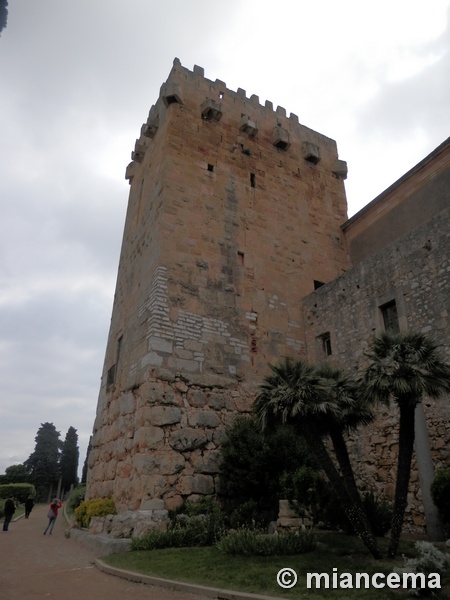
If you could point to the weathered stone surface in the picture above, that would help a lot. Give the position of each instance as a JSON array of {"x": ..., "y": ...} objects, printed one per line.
[
  {"x": 196, "y": 484},
  {"x": 203, "y": 418},
  {"x": 148, "y": 437},
  {"x": 164, "y": 415},
  {"x": 165, "y": 462},
  {"x": 188, "y": 439},
  {"x": 205, "y": 461},
  {"x": 196, "y": 398},
  {"x": 127, "y": 404}
]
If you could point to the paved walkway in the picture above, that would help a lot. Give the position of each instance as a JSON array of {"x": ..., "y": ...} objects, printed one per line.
[{"x": 33, "y": 565}]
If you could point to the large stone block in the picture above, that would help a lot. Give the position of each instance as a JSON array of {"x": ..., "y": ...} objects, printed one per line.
[
  {"x": 188, "y": 439},
  {"x": 165, "y": 463},
  {"x": 148, "y": 437},
  {"x": 196, "y": 484},
  {"x": 164, "y": 415},
  {"x": 127, "y": 403},
  {"x": 203, "y": 418}
]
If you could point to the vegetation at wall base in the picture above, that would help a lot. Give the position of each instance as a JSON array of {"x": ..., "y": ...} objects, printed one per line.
[
  {"x": 252, "y": 465},
  {"x": 257, "y": 574},
  {"x": 96, "y": 507},
  {"x": 250, "y": 542}
]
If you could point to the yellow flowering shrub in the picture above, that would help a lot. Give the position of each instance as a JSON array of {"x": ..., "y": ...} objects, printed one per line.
[{"x": 97, "y": 507}]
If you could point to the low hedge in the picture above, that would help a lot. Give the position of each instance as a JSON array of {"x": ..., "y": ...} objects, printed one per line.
[{"x": 19, "y": 491}]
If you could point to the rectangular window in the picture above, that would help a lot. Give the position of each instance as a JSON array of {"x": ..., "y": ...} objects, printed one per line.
[
  {"x": 252, "y": 180},
  {"x": 326, "y": 344},
  {"x": 210, "y": 167},
  {"x": 390, "y": 317},
  {"x": 111, "y": 376}
]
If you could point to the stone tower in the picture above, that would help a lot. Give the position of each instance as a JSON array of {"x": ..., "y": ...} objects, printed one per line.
[{"x": 234, "y": 216}]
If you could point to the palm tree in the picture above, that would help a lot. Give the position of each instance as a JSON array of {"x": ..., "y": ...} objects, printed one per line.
[
  {"x": 354, "y": 410},
  {"x": 404, "y": 367},
  {"x": 298, "y": 393}
]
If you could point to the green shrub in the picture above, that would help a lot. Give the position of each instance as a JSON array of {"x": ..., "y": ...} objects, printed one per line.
[
  {"x": 201, "y": 524},
  {"x": 76, "y": 498},
  {"x": 177, "y": 536},
  {"x": 379, "y": 513},
  {"x": 252, "y": 464},
  {"x": 429, "y": 560},
  {"x": 18, "y": 491},
  {"x": 249, "y": 542},
  {"x": 246, "y": 514},
  {"x": 100, "y": 507},
  {"x": 440, "y": 492}
]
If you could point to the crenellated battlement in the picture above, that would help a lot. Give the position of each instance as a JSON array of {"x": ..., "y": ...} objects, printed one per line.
[{"x": 213, "y": 102}]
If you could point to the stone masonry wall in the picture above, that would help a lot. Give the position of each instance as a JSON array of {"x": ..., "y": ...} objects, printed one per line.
[
  {"x": 234, "y": 213},
  {"x": 415, "y": 272}
]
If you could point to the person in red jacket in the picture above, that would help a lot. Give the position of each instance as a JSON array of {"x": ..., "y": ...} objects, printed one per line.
[{"x": 52, "y": 515}]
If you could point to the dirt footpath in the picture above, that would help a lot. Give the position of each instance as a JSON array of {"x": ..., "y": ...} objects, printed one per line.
[{"x": 33, "y": 565}]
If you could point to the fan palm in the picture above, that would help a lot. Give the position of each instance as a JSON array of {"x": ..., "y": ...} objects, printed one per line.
[
  {"x": 300, "y": 394},
  {"x": 404, "y": 368},
  {"x": 354, "y": 411}
]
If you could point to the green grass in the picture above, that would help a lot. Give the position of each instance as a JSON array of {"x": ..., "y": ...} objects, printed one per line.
[{"x": 208, "y": 567}]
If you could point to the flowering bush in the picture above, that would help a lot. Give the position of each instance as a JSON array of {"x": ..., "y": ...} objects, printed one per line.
[{"x": 99, "y": 507}]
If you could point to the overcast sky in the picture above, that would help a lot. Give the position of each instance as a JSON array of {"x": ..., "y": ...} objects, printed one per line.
[{"x": 77, "y": 80}]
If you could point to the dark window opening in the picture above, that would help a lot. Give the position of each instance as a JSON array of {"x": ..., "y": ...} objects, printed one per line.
[
  {"x": 119, "y": 348},
  {"x": 318, "y": 284},
  {"x": 326, "y": 344},
  {"x": 390, "y": 317},
  {"x": 252, "y": 180},
  {"x": 312, "y": 159},
  {"x": 240, "y": 256},
  {"x": 171, "y": 99},
  {"x": 281, "y": 145},
  {"x": 210, "y": 167},
  {"x": 111, "y": 376}
]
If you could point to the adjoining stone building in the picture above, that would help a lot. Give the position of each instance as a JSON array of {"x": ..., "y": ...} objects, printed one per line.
[{"x": 236, "y": 214}]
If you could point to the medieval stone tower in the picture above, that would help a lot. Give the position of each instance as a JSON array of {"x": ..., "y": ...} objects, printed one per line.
[{"x": 234, "y": 216}]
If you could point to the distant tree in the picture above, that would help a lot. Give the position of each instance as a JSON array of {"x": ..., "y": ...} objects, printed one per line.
[
  {"x": 43, "y": 464},
  {"x": 16, "y": 474},
  {"x": 86, "y": 460},
  {"x": 3, "y": 14},
  {"x": 69, "y": 459}
]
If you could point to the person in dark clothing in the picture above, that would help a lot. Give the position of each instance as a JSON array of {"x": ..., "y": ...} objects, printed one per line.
[
  {"x": 29, "y": 503},
  {"x": 10, "y": 509}
]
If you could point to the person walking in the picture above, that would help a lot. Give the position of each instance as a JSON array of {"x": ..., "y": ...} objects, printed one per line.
[
  {"x": 29, "y": 503},
  {"x": 9, "y": 509},
  {"x": 53, "y": 515}
]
